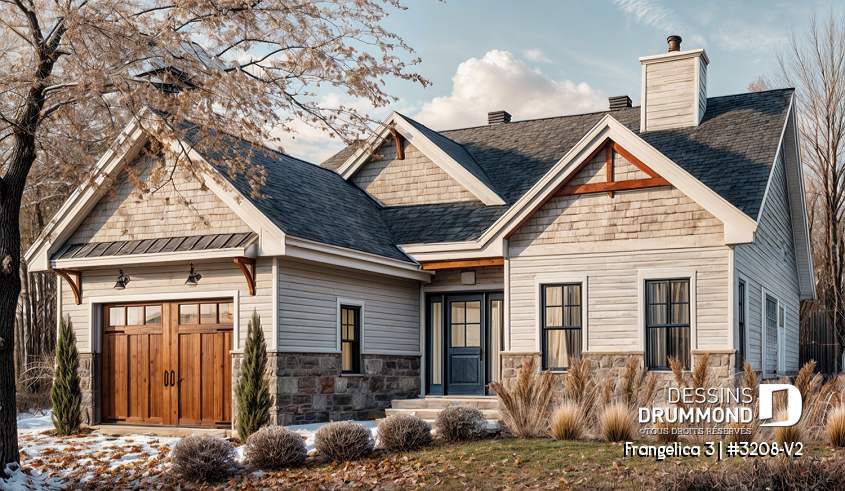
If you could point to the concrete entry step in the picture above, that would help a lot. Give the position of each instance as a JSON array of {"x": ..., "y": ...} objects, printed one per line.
[
  {"x": 435, "y": 402},
  {"x": 431, "y": 414},
  {"x": 168, "y": 431}
]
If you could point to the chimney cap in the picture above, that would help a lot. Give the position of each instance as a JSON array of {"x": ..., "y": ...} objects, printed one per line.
[
  {"x": 498, "y": 117},
  {"x": 674, "y": 42},
  {"x": 619, "y": 102}
]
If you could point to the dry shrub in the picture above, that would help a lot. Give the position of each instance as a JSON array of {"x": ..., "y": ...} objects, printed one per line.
[
  {"x": 748, "y": 379},
  {"x": 275, "y": 447},
  {"x": 616, "y": 423},
  {"x": 781, "y": 473},
  {"x": 568, "y": 422},
  {"x": 34, "y": 384},
  {"x": 836, "y": 426},
  {"x": 460, "y": 423},
  {"x": 203, "y": 458},
  {"x": 525, "y": 409},
  {"x": 700, "y": 377},
  {"x": 343, "y": 441},
  {"x": 403, "y": 432}
]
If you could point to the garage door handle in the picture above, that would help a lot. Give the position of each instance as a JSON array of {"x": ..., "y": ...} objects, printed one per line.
[
  {"x": 166, "y": 384},
  {"x": 172, "y": 378}
]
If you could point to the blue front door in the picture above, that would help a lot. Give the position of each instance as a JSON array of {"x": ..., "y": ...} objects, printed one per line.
[{"x": 465, "y": 341}]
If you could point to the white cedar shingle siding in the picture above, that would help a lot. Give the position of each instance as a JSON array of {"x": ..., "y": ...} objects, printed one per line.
[
  {"x": 125, "y": 214},
  {"x": 769, "y": 262},
  {"x": 613, "y": 282},
  {"x": 308, "y": 296},
  {"x": 638, "y": 214},
  {"x": 147, "y": 279},
  {"x": 414, "y": 180},
  {"x": 671, "y": 94}
]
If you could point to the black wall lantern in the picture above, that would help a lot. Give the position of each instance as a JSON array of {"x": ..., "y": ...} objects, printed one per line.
[
  {"x": 122, "y": 280},
  {"x": 193, "y": 278}
]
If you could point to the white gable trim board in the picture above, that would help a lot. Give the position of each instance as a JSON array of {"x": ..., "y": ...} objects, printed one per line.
[{"x": 432, "y": 151}]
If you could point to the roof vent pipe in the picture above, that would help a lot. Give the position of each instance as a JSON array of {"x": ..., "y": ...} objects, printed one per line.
[
  {"x": 674, "y": 43},
  {"x": 498, "y": 117}
]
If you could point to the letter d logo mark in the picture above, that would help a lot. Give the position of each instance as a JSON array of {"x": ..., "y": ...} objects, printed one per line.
[{"x": 794, "y": 404}]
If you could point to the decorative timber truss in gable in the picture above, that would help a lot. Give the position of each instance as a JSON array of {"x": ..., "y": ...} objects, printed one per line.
[{"x": 611, "y": 185}]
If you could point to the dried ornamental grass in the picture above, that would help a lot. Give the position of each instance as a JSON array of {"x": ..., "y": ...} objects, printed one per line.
[
  {"x": 275, "y": 447},
  {"x": 787, "y": 434},
  {"x": 525, "y": 409},
  {"x": 460, "y": 423},
  {"x": 836, "y": 426},
  {"x": 343, "y": 441},
  {"x": 616, "y": 423},
  {"x": 403, "y": 432},
  {"x": 667, "y": 432},
  {"x": 203, "y": 458},
  {"x": 568, "y": 422},
  {"x": 764, "y": 473}
]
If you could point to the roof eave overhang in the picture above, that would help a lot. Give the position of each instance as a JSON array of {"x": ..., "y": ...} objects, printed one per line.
[{"x": 168, "y": 257}]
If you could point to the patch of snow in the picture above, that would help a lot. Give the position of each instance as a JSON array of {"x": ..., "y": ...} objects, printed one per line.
[{"x": 36, "y": 421}]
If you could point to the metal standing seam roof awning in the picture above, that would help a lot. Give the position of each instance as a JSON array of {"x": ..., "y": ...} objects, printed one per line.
[{"x": 214, "y": 242}]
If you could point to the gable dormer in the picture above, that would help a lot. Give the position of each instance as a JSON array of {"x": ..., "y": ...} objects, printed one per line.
[{"x": 406, "y": 163}]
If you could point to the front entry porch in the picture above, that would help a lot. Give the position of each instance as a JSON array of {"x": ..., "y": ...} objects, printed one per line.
[{"x": 464, "y": 340}]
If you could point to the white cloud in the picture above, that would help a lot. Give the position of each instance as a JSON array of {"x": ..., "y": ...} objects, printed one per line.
[
  {"x": 307, "y": 143},
  {"x": 500, "y": 81},
  {"x": 653, "y": 14},
  {"x": 536, "y": 55}
]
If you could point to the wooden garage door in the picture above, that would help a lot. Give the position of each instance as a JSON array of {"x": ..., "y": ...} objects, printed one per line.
[{"x": 168, "y": 363}]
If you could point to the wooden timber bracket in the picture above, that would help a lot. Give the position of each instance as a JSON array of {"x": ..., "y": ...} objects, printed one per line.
[
  {"x": 247, "y": 265},
  {"x": 74, "y": 279},
  {"x": 400, "y": 144}
]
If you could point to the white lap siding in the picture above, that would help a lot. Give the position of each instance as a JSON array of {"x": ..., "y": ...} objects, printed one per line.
[
  {"x": 308, "y": 296},
  {"x": 613, "y": 297},
  {"x": 769, "y": 262},
  {"x": 169, "y": 280},
  {"x": 610, "y": 240}
]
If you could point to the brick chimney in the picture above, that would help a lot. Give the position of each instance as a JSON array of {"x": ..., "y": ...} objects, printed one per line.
[
  {"x": 498, "y": 117},
  {"x": 674, "y": 92}
]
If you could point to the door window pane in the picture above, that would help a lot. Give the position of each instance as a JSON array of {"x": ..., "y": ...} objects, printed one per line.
[
  {"x": 208, "y": 313},
  {"x": 473, "y": 312},
  {"x": 226, "y": 313},
  {"x": 473, "y": 332},
  {"x": 459, "y": 335},
  {"x": 134, "y": 316},
  {"x": 116, "y": 316},
  {"x": 458, "y": 316},
  {"x": 153, "y": 314},
  {"x": 188, "y": 313}
]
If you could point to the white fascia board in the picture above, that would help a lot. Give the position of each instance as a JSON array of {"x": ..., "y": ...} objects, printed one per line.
[
  {"x": 85, "y": 197},
  {"x": 168, "y": 257},
  {"x": 271, "y": 239},
  {"x": 338, "y": 256},
  {"x": 455, "y": 251},
  {"x": 429, "y": 149}
]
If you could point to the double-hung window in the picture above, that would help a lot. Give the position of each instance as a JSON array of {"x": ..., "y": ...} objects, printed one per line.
[
  {"x": 667, "y": 322},
  {"x": 350, "y": 338},
  {"x": 561, "y": 325}
]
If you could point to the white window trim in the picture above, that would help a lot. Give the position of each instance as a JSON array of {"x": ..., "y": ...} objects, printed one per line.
[
  {"x": 644, "y": 275},
  {"x": 741, "y": 277},
  {"x": 554, "y": 279},
  {"x": 350, "y": 302},
  {"x": 95, "y": 313},
  {"x": 764, "y": 335}
]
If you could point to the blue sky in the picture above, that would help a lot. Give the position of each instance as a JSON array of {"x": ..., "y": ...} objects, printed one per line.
[{"x": 548, "y": 58}]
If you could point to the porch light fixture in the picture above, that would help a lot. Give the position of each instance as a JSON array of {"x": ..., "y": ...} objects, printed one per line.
[
  {"x": 122, "y": 280},
  {"x": 193, "y": 277}
]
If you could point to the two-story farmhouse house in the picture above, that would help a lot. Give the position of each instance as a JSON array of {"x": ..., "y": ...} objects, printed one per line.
[{"x": 429, "y": 262}]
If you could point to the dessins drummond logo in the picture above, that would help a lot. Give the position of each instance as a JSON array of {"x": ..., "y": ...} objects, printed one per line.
[{"x": 719, "y": 405}]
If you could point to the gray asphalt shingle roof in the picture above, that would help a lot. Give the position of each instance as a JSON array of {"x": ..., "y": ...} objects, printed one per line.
[
  {"x": 313, "y": 203},
  {"x": 731, "y": 151}
]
